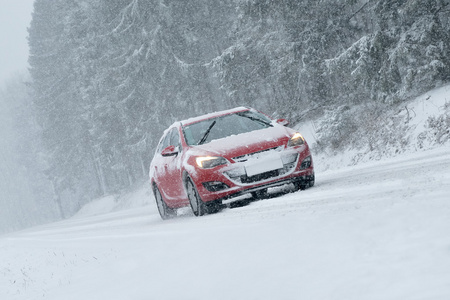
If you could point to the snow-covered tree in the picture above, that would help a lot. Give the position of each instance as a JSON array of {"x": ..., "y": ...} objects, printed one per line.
[{"x": 26, "y": 196}]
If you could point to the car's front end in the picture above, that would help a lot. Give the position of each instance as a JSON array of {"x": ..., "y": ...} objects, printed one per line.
[{"x": 250, "y": 162}]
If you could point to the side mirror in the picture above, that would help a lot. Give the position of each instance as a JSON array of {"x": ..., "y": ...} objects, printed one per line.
[
  {"x": 169, "y": 151},
  {"x": 283, "y": 122}
]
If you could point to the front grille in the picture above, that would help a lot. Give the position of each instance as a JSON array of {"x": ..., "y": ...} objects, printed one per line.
[
  {"x": 259, "y": 177},
  {"x": 239, "y": 176}
]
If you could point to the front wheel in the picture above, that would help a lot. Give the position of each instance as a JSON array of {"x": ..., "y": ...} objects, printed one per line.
[
  {"x": 312, "y": 180},
  {"x": 164, "y": 211},
  {"x": 199, "y": 208},
  {"x": 260, "y": 194},
  {"x": 304, "y": 184}
]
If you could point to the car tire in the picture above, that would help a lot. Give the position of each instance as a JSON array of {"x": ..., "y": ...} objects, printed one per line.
[
  {"x": 199, "y": 208},
  {"x": 312, "y": 180},
  {"x": 164, "y": 211},
  {"x": 304, "y": 184},
  {"x": 260, "y": 194}
]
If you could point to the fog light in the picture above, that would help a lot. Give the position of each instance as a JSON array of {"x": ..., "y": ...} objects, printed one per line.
[
  {"x": 306, "y": 163},
  {"x": 215, "y": 186}
]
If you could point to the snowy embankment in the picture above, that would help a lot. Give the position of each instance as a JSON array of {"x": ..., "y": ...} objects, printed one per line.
[
  {"x": 417, "y": 125},
  {"x": 376, "y": 230}
]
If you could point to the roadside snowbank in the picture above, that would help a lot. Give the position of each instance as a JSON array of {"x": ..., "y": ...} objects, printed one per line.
[{"x": 140, "y": 196}]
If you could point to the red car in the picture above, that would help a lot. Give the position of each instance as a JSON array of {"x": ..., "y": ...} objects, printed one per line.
[{"x": 204, "y": 160}]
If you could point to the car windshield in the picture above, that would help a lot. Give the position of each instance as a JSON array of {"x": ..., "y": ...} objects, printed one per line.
[{"x": 220, "y": 127}]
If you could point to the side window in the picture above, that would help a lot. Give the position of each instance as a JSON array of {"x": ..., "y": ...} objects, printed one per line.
[
  {"x": 175, "y": 138},
  {"x": 172, "y": 138},
  {"x": 164, "y": 143}
]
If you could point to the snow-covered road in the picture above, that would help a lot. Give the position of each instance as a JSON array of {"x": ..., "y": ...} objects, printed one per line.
[{"x": 379, "y": 230}]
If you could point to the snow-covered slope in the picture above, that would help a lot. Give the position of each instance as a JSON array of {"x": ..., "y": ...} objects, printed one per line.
[
  {"x": 420, "y": 124},
  {"x": 137, "y": 197},
  {"x": 434, "y": 105},
  {"x": 379, "y": 230}
]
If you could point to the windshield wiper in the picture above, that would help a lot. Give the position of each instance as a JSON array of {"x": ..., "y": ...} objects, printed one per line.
[
  {"x": 205, "y": 136},
  {"x": 255, "y": 119}
]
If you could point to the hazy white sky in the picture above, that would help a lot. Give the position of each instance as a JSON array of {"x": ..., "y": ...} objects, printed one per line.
[{"x": 15, "y": 17}]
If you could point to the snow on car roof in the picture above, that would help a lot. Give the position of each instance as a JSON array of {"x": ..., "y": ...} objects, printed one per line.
[{"x": 213, "y": 115}]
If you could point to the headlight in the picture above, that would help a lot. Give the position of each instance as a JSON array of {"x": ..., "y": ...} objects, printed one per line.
[
  {"x": 296, "y": 140},
  {"x": 206, "y": 162}
]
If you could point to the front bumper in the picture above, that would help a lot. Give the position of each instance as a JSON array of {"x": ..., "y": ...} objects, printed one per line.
[{"x": 241, "y": 177}]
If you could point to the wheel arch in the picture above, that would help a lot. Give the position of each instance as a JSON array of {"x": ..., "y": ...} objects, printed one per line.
[
  {"x": 184, "y": 177},
  {"x": 154, "y": 186}
]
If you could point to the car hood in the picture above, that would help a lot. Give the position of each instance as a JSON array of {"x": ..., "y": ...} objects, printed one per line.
[{"x": 249, "y": 142}]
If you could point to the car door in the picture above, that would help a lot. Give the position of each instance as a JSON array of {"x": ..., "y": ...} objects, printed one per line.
[
  {"x": 157, "y": 167},
  {"x": 171, "y": 180}
]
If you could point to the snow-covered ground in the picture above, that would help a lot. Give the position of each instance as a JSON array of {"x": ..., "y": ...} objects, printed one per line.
[{"x": 378, "y": 230}]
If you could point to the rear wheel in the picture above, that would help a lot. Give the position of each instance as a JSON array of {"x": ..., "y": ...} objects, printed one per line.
[
  {"x": 164, "y": 211},
  {"x": 199, "y": 208}
]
